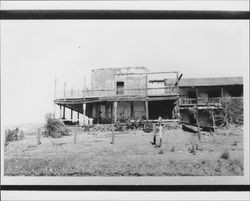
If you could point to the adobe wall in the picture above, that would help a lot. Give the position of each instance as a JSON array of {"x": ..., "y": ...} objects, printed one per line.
[{"x": 106, "y": 78}]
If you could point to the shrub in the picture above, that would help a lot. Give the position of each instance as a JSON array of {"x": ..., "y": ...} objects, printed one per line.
[
  {"x": 225, "y": 155},
  {"x": 13, "y": 135},
  {"x": 54, "y": 127},
  {"x": 148, "y": 127},
  {"x": 232, "y": 109}
]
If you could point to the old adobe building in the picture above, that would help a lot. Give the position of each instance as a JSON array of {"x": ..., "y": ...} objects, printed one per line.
[{"x": 122, "y": 94}]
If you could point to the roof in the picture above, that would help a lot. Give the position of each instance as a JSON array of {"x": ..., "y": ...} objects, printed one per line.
[{"x": 216, "y": 81}]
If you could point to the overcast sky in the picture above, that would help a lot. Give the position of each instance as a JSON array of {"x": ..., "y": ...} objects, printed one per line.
[{"x": 33, "y": 53}]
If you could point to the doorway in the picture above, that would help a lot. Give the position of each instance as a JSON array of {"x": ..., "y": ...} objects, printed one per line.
[{"x": 119, "y": 88}]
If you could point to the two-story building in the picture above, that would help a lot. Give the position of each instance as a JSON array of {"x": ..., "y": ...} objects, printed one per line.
[{"x": 120, "y": 94}]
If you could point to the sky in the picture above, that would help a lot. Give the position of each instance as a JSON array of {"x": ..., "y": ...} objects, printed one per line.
[{"x": 35, "y": 52}]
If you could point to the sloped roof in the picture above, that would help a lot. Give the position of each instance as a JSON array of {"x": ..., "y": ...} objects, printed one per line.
[{"x": 218, "y": 81}]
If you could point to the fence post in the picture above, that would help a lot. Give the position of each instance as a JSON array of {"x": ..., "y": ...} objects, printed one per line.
[
  {"x": 113, "y": 134},
  {"x": 75, "y": 137},
  {"x": 38, "y": 136},
  {"x": 154, "y": 132},
  {"x": 213, "y": 120}
]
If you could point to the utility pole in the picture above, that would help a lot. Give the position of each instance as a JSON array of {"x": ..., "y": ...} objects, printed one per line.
[{"x": 55, "y": 99}]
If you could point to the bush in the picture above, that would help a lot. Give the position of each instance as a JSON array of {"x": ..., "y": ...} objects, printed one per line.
[
  {"x": 148, "y": 127},
  {"x": 54, "y": 127},
  {"x": 13, "y": 135},
  {"x": 232, "y": 109}
]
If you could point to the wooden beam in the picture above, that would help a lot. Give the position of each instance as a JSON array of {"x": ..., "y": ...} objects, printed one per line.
[
  {"x": 55, "y": 99},
  {"x": 132, "y": 108},
  {"x": 147, "y": 73},
  {"x": 71, "y": 115},
  {"x": 146, "y": 109},
  {"x": 60, "y": 111},
  {"x": 214, "y": 127},
  {"x": 64, "y": 90},
  {"x": 115, "y": 110},
  {"x": 113, "y": 134},
  {"x": 63, "y": 112},
  {"x": 38, "y": 136},
  {"x": 84, "y": 112},
  {"x": 222, "y": 92},
  {"x": 71, "y": 92}
]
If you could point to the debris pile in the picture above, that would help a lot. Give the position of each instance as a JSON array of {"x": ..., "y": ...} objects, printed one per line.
[
  {"x": 171, "y": 125},
  {"x": 54, "y": 127}
]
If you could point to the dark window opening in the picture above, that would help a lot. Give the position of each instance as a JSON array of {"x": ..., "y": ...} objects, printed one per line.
[
  {"x": 164, "y": 108},
  {"x": 119, "y": 88},
  {"x": 214, "y": 93},
  {"x": 236, "y": 92},
  {"x": 191, "y": 94}
]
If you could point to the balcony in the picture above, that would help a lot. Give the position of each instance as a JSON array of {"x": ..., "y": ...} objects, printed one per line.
[
  {"x": 205, "y": 101},
  {"x": 200, "y": 101},
  {"x": 159, "y": 91}
]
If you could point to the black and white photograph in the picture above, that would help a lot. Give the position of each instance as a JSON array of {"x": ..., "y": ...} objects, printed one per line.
[{"x": 125, "y": 102}]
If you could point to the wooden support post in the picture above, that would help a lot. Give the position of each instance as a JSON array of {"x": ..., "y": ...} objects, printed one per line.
[
  {"x": 60, "y": 112},
  {"x": 146, "y": 107},
  {"x": 64, "y": 90},
  {"x": 55, "y": 89},
  {"x": 196, "y": 92},
  {"x": 55, "y": 99},
  {"x": 113, "y": 134},
  {"x": 115, "y": 110},
  {"x": 214, "y": 126},
  {"x": 197, "y": 116},
  {"x": 71, "y": 94},
  {"x": 63, "y": 112},
  {"x": 71, "y": 115},
  {"x": 75, "y": 135},
  {"x": 222, "y": 92},
  {"x": 38, "y": 136},
  {"x": 84, "y": 113},
  {"x": 132, "y": 109},
  {"x": 78, "y": 116}
]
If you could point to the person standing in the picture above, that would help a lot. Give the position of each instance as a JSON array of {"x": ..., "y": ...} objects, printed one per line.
[{"x": 160, "y": 131}]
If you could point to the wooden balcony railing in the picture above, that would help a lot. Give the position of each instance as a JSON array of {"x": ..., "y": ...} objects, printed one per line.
[
  {"x": 170, "y": 90},
  {"x": 200, "y": 101}
]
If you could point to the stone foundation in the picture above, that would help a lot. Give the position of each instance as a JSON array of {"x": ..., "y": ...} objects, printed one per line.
[{"x": 125, "y": 126}]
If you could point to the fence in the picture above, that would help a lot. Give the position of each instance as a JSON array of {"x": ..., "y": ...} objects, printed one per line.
[{"x": 170, "y": 90}]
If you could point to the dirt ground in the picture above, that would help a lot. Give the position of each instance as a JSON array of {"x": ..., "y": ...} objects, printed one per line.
[{"x": 131, "y": 155}]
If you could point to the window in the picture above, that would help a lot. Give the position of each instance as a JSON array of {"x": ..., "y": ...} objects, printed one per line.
[{"x": 119, "y": 88}]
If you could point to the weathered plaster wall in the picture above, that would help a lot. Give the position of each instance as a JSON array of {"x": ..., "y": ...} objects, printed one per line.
[{"x": 106, "y": 79}]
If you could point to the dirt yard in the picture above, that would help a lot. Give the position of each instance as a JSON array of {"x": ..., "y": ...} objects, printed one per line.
[{"x": 131, "y": 155}]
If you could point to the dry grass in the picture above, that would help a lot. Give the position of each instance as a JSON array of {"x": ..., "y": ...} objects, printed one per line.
[{"x": 131, "y": 155}]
